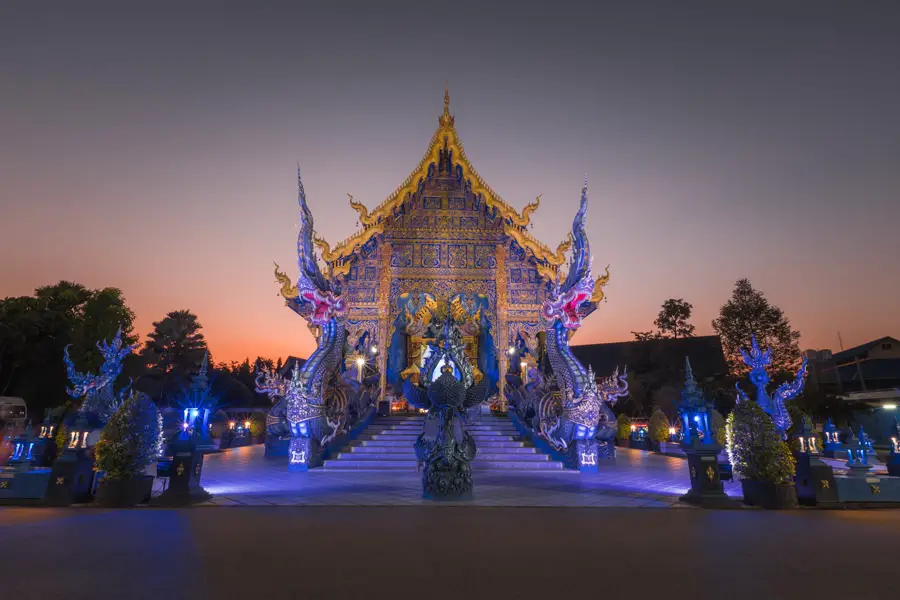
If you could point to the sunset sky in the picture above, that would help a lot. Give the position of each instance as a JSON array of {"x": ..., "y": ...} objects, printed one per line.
[{"x": 154, "y": 148}]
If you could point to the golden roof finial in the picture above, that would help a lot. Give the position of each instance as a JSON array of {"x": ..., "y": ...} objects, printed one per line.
[{"x": 446, "y": 119}]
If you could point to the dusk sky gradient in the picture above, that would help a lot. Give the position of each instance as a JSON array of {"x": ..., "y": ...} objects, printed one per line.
[{"x": 154, "y": 147}]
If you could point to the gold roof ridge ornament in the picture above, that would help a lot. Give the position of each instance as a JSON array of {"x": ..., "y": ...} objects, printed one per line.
[
  {"x": 359, "y": 207},
  {"x": 514, "y": 222}
]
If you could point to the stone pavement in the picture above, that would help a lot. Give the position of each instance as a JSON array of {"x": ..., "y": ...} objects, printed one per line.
[
  {"x": 432, "y": 553},
  {"x": 243, "y": 476}
]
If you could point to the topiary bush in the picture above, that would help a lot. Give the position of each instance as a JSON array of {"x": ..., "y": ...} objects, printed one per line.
[
  {"x": 132, "y": 439},
  {"x": 717, "y": 426},
  {"x": 257, "y": 424},
  {"x": 755, "y": 448},
  {"x": 62, "y": 438},
  {"x": 659, "y": 425},
  {"x": 623, "y": 427}
]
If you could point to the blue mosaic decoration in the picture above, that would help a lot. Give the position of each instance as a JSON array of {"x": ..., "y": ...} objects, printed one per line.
[{"x": 758, "y": 360}]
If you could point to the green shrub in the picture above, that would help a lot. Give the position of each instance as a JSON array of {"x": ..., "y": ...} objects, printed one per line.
[
  {"x": 62, "y": 438},
  {"x": 659, "y": 425},
  {"x": 717, "y": 426},
  {"x": 132, "y": 439},
  {"x": 755, "y": 448},
  {"x": 257, "y": 424},
  {"x": 623, "y": 427}
]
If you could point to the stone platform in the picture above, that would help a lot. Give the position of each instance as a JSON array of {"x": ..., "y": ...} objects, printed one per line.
[{"x": 243, "y": 476}]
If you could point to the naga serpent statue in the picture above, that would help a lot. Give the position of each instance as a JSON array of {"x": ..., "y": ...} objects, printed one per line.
[
  {"x": 774, "y": 405},
  {"x": 572, "y": 413},
  {"x": 100, "y": 401},
  {"x": 314, "y": 416}
]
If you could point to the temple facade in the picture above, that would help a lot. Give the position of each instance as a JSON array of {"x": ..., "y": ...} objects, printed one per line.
[{"x": 443, "y": 251}]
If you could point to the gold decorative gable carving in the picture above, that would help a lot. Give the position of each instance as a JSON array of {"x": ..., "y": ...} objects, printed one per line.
[{"x": 445, "y": 136}]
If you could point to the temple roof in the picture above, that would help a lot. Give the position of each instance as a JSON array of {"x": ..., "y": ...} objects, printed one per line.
[{"x": 446, "y": 136}]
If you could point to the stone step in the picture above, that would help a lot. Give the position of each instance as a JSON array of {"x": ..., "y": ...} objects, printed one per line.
[
  {"x": 410, "y": 465},
  {"x": 405, "y": 444},
  {"x": 516, "y": 466},
  {"x": 408, "y": 428},
  {"x": 480, "y": 457},
  {"x": 520, "y": 450},
  {"x": 412, "y": 437}
]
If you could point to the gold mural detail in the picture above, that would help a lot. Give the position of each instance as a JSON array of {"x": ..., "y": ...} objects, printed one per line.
[
  {"x": 288, "y": 290},
  {"x": 824, "y": 484},
  {"x": 599, "y": 284}
]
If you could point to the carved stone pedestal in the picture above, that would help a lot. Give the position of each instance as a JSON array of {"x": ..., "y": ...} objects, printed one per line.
[
  {"x": 814, "y": 480},
  {"x": 184, "y": 477},
  {"x": 706, "y": 486},
  {"x": 71, "y": 478}
]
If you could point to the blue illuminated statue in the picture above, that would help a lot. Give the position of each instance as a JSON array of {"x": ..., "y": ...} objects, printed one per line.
[
  {"x": 758, "y": 360},
  {"x": 100, "y": 402},
  {"x": 314, "y": 413},
  {"x": 570, "y": 415},
  {"x": 445, "y": 448},
  {"x": 694, "y": 411}
]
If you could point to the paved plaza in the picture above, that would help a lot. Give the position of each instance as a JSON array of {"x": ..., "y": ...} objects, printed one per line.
[
  {"x": 244, "y": 476},
  {"x": 431, "y": 553}
]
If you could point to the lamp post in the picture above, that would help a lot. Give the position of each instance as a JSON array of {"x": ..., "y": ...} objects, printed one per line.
[
  {"x": 832, "y": 442},
  {"x": 858, "y": 455},
  {"x": 893, "y": 463},
  {"x": 701, "y": 448}
]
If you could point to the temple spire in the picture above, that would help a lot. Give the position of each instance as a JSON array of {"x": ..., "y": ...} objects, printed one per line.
[{"x": 446, "y": 119}]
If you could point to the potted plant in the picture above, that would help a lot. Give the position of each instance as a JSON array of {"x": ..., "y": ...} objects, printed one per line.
[
  {"x": 623, "y": 429},
  {"x": 659, "y": 428},
  {"x": 760, "y": 458},
  {"x": 258, "y": 427},
  {"x": 129, "y": 444},
  {"x": 717, "y": 426}
]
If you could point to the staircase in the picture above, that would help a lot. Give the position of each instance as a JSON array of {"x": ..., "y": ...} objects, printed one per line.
[{"x": 387, "y": 445}]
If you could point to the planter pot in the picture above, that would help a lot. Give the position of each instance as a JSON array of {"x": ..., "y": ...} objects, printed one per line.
[
  {"x": 769, "y": 495},
  {"x": 120, "y": 493}
]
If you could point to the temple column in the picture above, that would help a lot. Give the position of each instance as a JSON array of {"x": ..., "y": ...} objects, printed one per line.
[
  {"x": 384, "y": 317},
  {"x": 502, "y": 334}
]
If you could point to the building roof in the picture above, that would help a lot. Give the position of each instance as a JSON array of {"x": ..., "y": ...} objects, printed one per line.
[
  {"x": 873, "y": 371},
  {"x": 515, "y": 222},
  {"x": 861, "y": 350},
  {"x": 705, "y": 353},
  {"x": 289, "y": 365}
]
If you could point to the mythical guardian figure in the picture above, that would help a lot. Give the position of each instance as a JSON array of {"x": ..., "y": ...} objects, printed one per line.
[
  {"x": 445, "y": 448},
  {"x": 313, "y": 415},
  {"x": 100, "y": 401},
  {"x": 570, "y": 415},
  {"x": 758, "y": 360}
]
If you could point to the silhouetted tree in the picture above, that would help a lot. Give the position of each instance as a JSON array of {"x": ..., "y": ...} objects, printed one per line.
[
  {"x": 173, "y": 353},
  {"x": 35, "y": 329},
  {"x": 673, "y": 318},
  {"x": 749, "y": 313}
]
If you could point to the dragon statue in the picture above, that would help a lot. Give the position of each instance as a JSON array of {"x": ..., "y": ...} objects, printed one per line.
[
  {"x": 774, "y": 405},
  {"x": 100, "y": 401},
  {"x": 571, "y": 412},
  {"x": 444, "y": 447},
  {"x": 269, "y": 382},
  {"x": 315, "y": 405}
]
